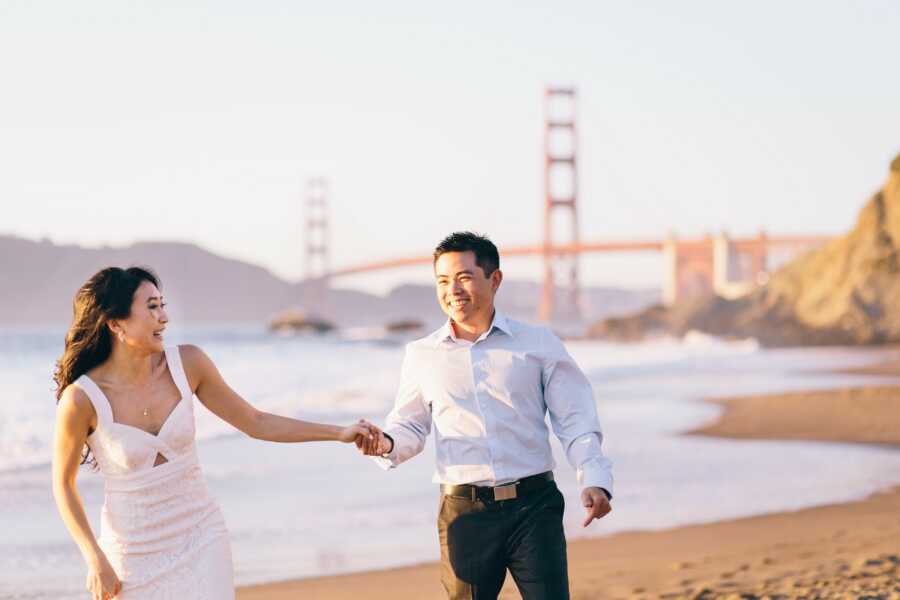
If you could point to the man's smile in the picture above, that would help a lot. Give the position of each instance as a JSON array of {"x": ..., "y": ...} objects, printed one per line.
[{"x": 457, "y": 302}]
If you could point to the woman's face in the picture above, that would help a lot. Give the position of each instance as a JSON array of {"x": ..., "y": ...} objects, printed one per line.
[{"x": 143, "y": 329}]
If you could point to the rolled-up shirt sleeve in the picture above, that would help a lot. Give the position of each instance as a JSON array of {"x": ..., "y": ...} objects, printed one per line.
[
  {"x": 573, "y": 415},
  {"x": 409, "y": 423}
]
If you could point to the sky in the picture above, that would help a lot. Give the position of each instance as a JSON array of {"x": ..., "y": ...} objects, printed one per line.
[{"x": 201, "y": 121}]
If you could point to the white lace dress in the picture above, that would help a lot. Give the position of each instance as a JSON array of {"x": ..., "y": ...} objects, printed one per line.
[{"x": 160, "y": 529}]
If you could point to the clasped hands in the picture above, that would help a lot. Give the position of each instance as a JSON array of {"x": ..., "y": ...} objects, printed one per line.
[{"x": 370, "y": 439}]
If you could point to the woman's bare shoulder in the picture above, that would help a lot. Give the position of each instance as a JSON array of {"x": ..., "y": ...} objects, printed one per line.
[
  {"x": 193, "y": 356},
  {"x": 197, "y": 364},
  {"x": 75, "y": 401}
]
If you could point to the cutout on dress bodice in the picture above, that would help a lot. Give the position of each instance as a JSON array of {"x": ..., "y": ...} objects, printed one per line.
[{"x": 160, "y": 459}]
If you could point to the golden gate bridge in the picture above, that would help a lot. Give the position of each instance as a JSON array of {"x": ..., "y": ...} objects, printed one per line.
[{"x": 693, "y": 267}]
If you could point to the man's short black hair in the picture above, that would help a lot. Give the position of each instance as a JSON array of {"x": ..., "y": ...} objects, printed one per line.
[{"x": 486, "y": 255}]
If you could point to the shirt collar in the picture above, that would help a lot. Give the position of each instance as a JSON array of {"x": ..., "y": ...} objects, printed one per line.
[{"x": 500, "y": 322}]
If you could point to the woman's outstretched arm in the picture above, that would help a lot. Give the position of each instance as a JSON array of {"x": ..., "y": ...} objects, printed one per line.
[
  {"x": 74, "y": 417},
  {"x": 206, "y": 381}
]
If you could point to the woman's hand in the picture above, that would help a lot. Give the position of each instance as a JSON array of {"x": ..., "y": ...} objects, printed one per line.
[
  {"x": 102, "y": 581},
  {"x": 360, "y": 433}
]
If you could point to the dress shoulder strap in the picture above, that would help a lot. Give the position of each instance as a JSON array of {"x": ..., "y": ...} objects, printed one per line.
[
  {"x": 97, "y": 398},
  {"x": 173, "y": 358}
]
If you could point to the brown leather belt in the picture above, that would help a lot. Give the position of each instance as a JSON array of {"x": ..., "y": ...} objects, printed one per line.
[{"x": 508, "y": 491}]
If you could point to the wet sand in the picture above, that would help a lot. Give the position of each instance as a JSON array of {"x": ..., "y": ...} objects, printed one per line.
[{"x": 868, "y": 415}]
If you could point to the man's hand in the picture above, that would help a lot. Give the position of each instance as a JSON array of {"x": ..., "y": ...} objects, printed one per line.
[
  {"x": 595, "y": 503},
  {"x": 375, "y": 444}
]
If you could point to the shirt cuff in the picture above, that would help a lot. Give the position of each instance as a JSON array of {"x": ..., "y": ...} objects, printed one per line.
[
  {"x": 387, "y": 461},
  {"x": 596, "y": 473}
]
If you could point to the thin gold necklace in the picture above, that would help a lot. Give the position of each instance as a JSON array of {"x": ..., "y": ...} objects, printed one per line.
[{"x": 146, "y": 411}]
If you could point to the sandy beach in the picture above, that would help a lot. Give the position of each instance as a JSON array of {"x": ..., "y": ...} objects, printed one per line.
[{"x": 849, "y": 550}]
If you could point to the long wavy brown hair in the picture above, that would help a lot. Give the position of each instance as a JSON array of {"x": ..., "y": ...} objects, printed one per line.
[{"x": 106, "y": 296}]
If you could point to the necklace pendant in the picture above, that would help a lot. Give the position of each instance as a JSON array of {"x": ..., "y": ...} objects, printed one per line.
[{"x": 146, "y": 412}]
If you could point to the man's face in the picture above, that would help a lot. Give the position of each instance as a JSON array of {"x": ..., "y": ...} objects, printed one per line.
[{"x": 463, "y": 291}]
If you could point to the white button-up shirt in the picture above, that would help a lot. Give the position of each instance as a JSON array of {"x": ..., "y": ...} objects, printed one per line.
[{"x": 488, "y": 401}]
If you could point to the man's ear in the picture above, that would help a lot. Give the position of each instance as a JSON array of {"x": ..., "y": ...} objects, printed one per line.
[{"x": 496, "y": 279}]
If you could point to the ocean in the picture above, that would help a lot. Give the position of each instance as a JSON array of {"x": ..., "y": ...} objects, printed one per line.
[{"x": 300, "y": 510}]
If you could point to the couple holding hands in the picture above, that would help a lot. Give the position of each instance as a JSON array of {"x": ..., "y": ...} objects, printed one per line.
[{"x": 485, "y": 383}]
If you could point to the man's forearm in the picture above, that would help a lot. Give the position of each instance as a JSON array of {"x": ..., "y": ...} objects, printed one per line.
[{"x": 591, "y": 466}]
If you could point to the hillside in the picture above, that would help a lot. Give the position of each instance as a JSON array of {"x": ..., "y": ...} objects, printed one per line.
[{"x": 39, "y": 280}]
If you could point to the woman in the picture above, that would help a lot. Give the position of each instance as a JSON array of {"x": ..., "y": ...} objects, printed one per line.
[{"x": 125, "y": 404}]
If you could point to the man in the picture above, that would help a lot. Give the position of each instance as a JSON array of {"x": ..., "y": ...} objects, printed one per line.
[{"x": 486, "y": 383}]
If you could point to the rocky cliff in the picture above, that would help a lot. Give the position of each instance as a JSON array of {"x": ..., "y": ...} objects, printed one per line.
[{"x": 847, "y": 292}]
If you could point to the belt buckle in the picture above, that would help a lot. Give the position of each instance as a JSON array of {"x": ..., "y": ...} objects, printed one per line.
[{"x": 505, "y": 492}]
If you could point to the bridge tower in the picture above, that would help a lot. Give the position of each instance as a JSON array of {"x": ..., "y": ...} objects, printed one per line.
[
  {"x": 315, "y": 293},
  {"x": 560, "y": 246}
]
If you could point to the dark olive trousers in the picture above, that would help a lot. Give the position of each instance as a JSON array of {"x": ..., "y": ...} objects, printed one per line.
[{"x": 482, "y": 539}]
